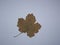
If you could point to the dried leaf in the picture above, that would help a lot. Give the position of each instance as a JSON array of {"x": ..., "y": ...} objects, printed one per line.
[{"x": 28, "y": 25}]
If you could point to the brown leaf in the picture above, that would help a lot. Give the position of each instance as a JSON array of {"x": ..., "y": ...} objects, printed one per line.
[{"x": 28, "y": 26}]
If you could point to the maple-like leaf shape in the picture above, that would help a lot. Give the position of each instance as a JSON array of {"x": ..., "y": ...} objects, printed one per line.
[{"x": 28, "y": 25}]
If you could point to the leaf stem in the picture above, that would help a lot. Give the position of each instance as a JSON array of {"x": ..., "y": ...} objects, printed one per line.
[{"x": 18, "y": 35}]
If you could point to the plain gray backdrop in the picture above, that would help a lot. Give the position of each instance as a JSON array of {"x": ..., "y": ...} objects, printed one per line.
[{"x": 47, "y": 13}]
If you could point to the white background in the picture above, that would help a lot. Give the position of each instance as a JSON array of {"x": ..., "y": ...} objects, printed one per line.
[{"x": 47, "y": 13}]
